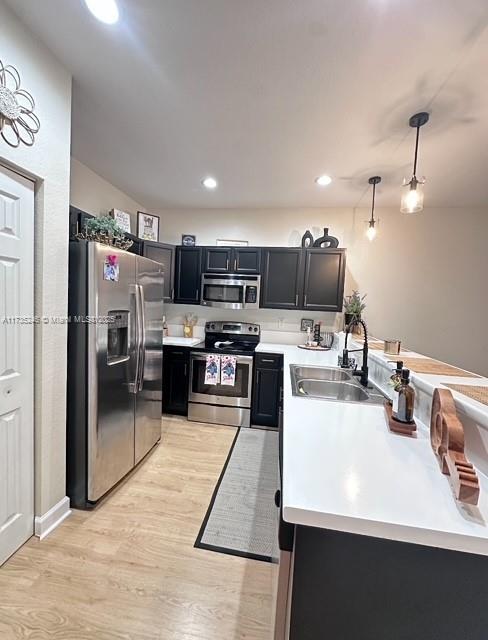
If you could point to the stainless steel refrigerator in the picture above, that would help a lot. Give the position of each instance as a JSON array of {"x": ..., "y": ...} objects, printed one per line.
[{"x": 115, "y": 356}]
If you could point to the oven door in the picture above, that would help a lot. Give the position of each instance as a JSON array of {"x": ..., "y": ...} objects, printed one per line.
[{"x": 238, "y": 395}]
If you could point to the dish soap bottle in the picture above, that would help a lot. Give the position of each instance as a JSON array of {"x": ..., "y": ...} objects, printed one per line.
[
  {"x": 404, "y": 399},
  {"x": 395, "y": 380}
]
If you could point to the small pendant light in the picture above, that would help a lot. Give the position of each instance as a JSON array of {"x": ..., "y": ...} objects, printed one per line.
[
  {"x": 371, "y": 231},
  {"x": 413, "y": 190}
]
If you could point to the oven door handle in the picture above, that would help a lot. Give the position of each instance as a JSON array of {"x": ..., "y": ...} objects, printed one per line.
[{"x": 197, "y": 355}]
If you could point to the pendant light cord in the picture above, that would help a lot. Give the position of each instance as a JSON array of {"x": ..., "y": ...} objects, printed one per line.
[
  {"x": 372, "y": 203},
  {"x": 416, "y": 153}
]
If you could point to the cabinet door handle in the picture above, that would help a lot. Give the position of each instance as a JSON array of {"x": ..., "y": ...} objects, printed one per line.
[
  {"x": 227, "y": 265},
  {"x": 172, "y": 294},
  {"x": 305, "y": 301},
  {"x": 197, "y": 294},
  {"x": 186, "y": 368},
  {"x": 177, "y": 353},
  {"x": 277, "y": 498},
  {"x": 267, "y": 360},
  {"x": 296, "y": 300},
  {"x": 235, "y": 264}
]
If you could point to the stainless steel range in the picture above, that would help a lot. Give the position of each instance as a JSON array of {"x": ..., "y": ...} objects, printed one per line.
[{"x": 221, "y": 403}]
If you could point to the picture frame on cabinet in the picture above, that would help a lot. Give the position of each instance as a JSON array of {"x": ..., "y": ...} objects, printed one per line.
[
  {"x": 305, "y": 324},
  {"x": 188, "y": 240},
  {"x": 232, "y": 243},
  {"x": 147, "y": 226},
  {"x": 122, "y": 218}
]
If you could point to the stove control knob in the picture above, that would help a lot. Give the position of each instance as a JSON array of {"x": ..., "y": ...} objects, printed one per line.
[
  {"x": 256, "y": 329},
  {"x": 212, "y": 326},
  {"x": 250, "y": 328}
]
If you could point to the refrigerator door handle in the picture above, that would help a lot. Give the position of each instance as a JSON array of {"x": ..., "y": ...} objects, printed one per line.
[
  {"x": 134, "y": 386},
  {"x": 142, "y": 337}
]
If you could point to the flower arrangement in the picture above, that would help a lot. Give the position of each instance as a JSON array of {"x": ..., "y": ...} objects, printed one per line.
[{"x": 106, "y": 230}]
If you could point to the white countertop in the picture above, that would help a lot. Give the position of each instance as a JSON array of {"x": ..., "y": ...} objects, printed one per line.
[
  {"x": 343, "y": 470},
  {"x": 181, "y": 342}
]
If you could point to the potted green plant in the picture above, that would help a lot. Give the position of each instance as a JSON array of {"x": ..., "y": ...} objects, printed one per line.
[
  {"x": 106, "y": 230},
  {"x": 353, "y": 307}
]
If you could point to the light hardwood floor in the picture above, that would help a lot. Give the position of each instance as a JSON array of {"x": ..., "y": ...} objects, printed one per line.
[{"x": 128, "y": 570}]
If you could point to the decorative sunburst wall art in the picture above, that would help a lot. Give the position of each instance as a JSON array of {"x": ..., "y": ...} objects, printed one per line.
[{"x": 18, "y": 122}]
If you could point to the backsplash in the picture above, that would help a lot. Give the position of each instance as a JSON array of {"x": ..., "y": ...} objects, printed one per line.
[{"x": 280, "y": 326}]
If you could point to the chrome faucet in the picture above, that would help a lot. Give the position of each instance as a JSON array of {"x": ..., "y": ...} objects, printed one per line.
[{"x": 344, "y": 361}]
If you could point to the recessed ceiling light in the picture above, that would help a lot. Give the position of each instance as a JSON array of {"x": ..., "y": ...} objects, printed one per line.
[
  {"x": 209, "y": 183},
  {"x": 323, "y": 181},
  {"x": 104, "y": 10}
]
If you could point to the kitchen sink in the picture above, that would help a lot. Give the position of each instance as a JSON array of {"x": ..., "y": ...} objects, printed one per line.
[
  {"x": 330, "y": 383},
  {"x": 334, "y": 374}
]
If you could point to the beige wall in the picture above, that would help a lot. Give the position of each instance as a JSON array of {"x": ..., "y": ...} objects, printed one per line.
[
  {"x": 424, "y": 274},
  {"x": 91, "y": 193},
  {"x": 48, "y": 162}
]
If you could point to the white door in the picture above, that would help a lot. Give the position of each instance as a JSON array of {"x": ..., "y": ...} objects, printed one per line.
[{"x": 16, "y": 361}]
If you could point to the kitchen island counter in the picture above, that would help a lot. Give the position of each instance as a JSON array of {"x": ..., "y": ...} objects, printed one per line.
[{"x": 343, "y": 470}]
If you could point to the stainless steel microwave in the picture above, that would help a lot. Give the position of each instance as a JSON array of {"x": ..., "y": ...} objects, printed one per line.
[{"x": 230, "y": 291}]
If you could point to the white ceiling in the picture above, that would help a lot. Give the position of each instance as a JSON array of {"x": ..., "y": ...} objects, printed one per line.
[{"x": 267, "y": 94}]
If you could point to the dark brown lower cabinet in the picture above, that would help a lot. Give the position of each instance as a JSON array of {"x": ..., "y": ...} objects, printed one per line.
[
  {"x": 356, "y": 587},
  {"x": 267, "y": 389},
  {"x": 176, "y": 375}
]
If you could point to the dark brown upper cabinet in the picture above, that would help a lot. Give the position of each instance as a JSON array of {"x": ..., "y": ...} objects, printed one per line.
[
  {"x": 217, "y": 259},
  {"x": 165, "y": 255},
  {"x": 188, "y": 275},
  {"x": 242, "y": 260},
  {"x": 323, "y": 287},
  {"x": 247, "y": 260},
  {"x": 282, "y": 278}
]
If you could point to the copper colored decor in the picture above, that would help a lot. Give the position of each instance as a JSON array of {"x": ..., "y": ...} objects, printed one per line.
[
  {"x": 480, "y": 394},
  {"x": 434, "y": 367},
  {"x": 447, "y": 439},
  {"x": 403, "y": 428}
]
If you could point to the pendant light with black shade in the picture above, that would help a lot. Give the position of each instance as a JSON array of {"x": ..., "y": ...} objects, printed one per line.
[
  {"x": 371, "y": 231},
  {"x": 413, "y": 189}
]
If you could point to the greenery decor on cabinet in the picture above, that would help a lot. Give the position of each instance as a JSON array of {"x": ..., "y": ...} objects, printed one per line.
[
  {"x": 353, "y": 307},
  {"x": 105, "y": 230}
]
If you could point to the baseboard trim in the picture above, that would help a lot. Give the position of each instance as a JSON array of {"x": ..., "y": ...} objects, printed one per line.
[{"x": 45, "y": 524}]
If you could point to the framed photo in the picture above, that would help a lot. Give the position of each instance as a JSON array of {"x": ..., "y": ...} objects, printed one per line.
[
  {"x": 147, "y": 226},
  {"x": 188, "y": 241},
  {"x": 122, "y": 218},
  {"x": 305, "y": 324},
  {"x": 232, "y": 243}
]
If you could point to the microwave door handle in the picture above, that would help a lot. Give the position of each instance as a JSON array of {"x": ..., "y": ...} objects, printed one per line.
[{"x": 142, "y": 344}]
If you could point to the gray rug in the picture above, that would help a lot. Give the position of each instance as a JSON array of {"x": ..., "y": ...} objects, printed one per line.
[{"x": 242, "y": 517}]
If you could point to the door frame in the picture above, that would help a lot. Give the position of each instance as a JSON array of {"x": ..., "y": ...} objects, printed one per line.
[{"x": 45, "y": 521}]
